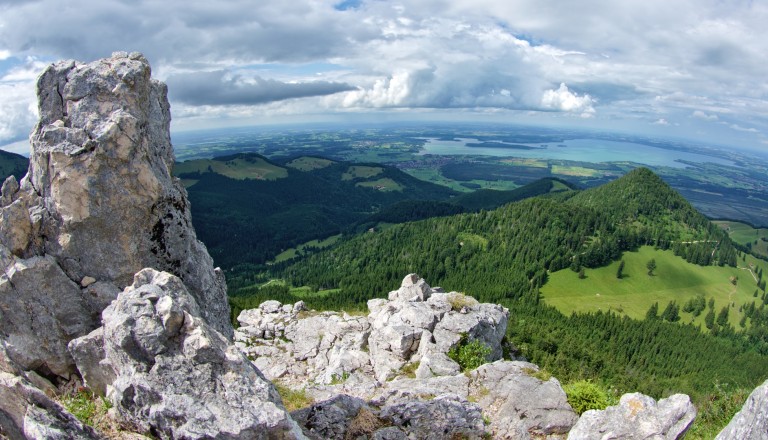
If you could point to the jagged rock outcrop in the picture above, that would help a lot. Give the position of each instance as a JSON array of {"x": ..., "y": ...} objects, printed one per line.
[
  {"x": 637, "y": 417},
  {"x": 344, "y": 417},
  {"x": 394, "y": 364},
  {"x": 27, "y": 410},
  {"x": 751, "y": 422},
  {"x": 520, "y": 405},
  {"x": 169, "y": 372},
  {"x": 417, "y": 325},
  {"x": 97, "y": 205}
]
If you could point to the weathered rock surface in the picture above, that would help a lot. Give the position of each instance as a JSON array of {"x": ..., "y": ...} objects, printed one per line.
[
  {"x": 27, "y": 410},
  {"x": 97, "y": 205},
  {"x": 169, "y": 372},
  {"x": 345, "y": 417},
  {"x": 417, "y": 324},
  {"x": 751, "y": 422},
  {"x": 393, "y": 365},
  {"x": 519, "y": 405},
  {"x": 637, "y": 417}
]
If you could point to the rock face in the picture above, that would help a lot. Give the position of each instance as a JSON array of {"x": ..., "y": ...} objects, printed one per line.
[
  {"x": 26, "y": 411},
  {"x": 97, "y": 205},
  {"x": 170, "y": 373},
  {"x": 417, "y": 325},
  {"x": 394, "y": 370},
  {"x": 637, "y": 417},
  {"x": 751, "y": 422}
]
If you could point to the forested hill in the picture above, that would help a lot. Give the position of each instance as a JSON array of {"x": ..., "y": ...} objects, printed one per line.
[
  {"x": 247, "y": 209},
  {"x": 641, "y": 196},
  {"x": 647, "y": 210},
  {"x": 13, "y": 164},
  {"x": 507, "y": 253}
]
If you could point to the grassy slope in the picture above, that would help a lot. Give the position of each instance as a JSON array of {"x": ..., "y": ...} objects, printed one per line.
[
  {"x": 235, "y": 168},
  {"x": 309, "y": 163},
  {"x": 12, "y": 163},
  {"x": 361, "y": 171},
  {"x": 674, "y": 279},
  {"x": 742, "y": 233}
]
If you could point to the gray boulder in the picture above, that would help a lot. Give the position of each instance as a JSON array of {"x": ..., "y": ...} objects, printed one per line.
[
  {"x": 445, "y": 417},
  {"x": 637, "y": 417},
  {"x": 41, "y": 309},
  {"x": 344, "y": 417},
  {"x": 751, "y": 422},
  {"x": 519, "y": 405},
  {"x": 167, "y": 371},
  {"x": 26, "y": 412}
]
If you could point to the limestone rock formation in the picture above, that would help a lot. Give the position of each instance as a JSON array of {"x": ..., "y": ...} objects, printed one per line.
[
  {"x": 393, "y": 368},
  {"x": 637, "y": 417},
  {"x": 27, "y": 410},
  {"x": 97, "y": 205},
  {"x": 418, "y": 324},
  {"x": 345, "y": 417},
  {"x": 520, "y": 405},
  {"x": 170, "y": 373},
  {"x": 751, "y": 422}
]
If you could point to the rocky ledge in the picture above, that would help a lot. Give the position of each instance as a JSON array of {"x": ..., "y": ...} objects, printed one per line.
[{"x": 393, "y": 374}]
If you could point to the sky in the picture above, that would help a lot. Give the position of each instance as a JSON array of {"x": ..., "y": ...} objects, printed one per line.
[{"x": 694, "y": 69}]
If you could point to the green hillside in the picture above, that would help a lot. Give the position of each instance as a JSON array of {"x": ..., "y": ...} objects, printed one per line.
[
  {"x": 527, "y": 255},
  {"x": 239, "y": 166},
  {"x": 12, "y": 164},
  {"x": 527, "y": 241},
  {"x": 754, "y": 239},
  {"x": 491, "y": 199},
  {"x": 673, "y": 280},
  {"x": 248, "y": 209}
]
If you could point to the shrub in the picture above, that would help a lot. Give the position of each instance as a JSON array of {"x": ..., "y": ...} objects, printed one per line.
[
  {"x": 584, "y": 395},
  {"x": 469, "y": 354},
  {"x": 82, "y": 405},
  {"x": 293, "y": 399},
  {"x": 458, "y": 301}
]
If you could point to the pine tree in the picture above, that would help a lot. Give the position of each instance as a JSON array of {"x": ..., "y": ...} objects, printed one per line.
[
  {"x": 671, "y": 312},
  {"x": 653, "y": 312},
  {"x": 620, "y": 270},
  {"x": 709, "y": 320},
  {"x": 651, "y": 266},
  {"x": 722, "y": 317}
]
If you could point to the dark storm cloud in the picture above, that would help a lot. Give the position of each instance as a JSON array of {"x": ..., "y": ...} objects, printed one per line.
[{"x": 221, "y": 88}]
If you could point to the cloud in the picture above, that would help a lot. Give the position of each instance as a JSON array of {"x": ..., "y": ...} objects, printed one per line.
[
  {"x": 469, "y": 55},
  {"x": 18, "y": 105},
  {"x": 661, "y": 121},
  {"x": 701, "y": 115},
  {"x": 223, "y": 88},
  {"x": 563, "y": 99},
  {"x": 737, "y": 127}
]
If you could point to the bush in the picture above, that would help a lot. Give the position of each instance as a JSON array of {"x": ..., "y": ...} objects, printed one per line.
[
  {"x": 469, "y": 354},
  {"x": 293, "y": 399},
  {"x": 584, "y": 395}
]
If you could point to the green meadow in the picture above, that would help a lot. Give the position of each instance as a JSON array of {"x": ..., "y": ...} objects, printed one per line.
[
  {"x": 361, "y": 171},
  {"x": 673, "y": 280},
  {"x": 308, "y": 163},
  {"x": 293, "y": 252},
  {"x": 746, "y": 235},
  {"x": 238, "y": 168}
]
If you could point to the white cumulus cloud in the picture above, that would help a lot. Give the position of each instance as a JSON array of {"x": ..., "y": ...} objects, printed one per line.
[{"x": 563, "y": 99}]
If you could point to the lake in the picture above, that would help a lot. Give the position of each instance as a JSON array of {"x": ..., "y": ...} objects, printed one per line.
[{"x": 582, "y": 150}]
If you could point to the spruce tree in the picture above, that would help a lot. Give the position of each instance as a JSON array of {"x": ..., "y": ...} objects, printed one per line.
[
  {"x": 620, "y": 270},
  {"x": 651, "y": 266}
]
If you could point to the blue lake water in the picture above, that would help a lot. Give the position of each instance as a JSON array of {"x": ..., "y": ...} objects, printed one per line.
[{"x": 583, "y": 150}]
